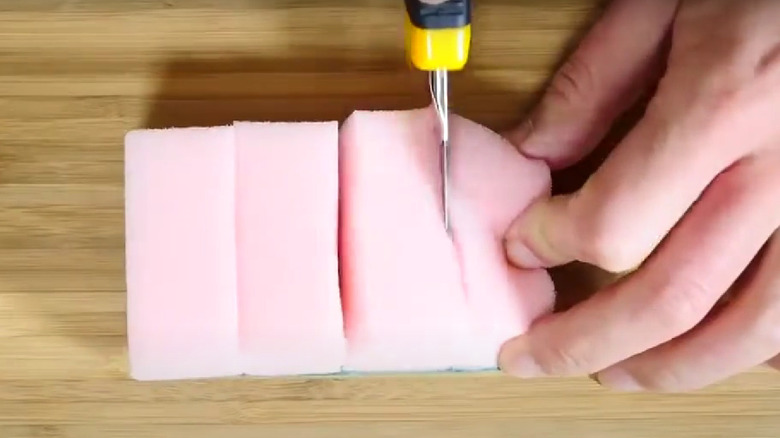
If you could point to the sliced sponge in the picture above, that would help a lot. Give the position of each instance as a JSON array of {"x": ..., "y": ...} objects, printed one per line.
[{"x": 295, "y": 248}]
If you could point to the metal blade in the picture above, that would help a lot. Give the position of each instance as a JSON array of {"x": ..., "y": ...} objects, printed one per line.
[{"x": 440, "y": 95}]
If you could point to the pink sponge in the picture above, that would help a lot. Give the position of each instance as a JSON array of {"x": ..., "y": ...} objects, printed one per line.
[
  {"x": 232, "y": 253},
  {"x": 414, "y": 300},
  {"x": 288, "y": 286},
  {"x": 238, "y": 237},
  {"x": 182, "y": 314},
  {"x": 491, "y": 184},
  {"x": 405, "y": 307}
]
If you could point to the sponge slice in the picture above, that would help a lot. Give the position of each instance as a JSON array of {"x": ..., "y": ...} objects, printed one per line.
[
  {"x": 416, "y": 300},
  {"x": 180, "y": 253},
  {"x": 287, "y": 216}
]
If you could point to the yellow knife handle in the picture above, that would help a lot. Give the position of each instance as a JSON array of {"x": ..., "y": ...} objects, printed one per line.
[{"x": 438, "y": 34}]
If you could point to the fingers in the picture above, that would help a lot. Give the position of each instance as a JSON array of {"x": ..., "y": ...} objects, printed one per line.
[
  {"x": 613, "y": 64},
  {"x": 686, "y": 137},
  {"x": 623, "y": 211},
  {"x": 701, "y": 121},
  {"x": 670, "y": 295},
  {"x": 745, "y": 335}
]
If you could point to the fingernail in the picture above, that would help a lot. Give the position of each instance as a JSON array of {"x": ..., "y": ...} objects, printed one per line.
[
  {"x": 519, "y": 135},
  {"x": 522, "y": 256},
  {"x": 619, "y": 379},
  {"x": 516, "y": 242},
  {"x": 529, "y": 140},
  {"x": 515, "y": 359}
]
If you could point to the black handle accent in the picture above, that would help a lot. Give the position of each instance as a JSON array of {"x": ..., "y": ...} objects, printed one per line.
[{"x": 448, "y": 14}]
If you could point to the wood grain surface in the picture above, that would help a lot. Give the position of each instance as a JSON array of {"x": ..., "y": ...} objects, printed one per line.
[{"x": 76, "y": 75}]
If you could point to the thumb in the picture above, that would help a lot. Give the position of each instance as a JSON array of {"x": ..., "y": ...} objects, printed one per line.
[{"x": 605, "y": 75}]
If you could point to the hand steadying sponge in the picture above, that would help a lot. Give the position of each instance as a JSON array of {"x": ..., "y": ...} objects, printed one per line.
[{"x": 235, "y": 248}]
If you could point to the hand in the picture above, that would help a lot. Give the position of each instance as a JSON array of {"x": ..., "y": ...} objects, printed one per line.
[{"x": 686, "y": 201}]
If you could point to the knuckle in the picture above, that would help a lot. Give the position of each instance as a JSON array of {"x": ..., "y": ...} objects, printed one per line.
[
  {"x": 574, "y": 83},
  {"x": 665, "y": 380},
  {"x": 681, "y": 302},
  {"x": 563, "y": 361},
  {"x": 612, "y": 255},
  {"x": 718, "y": 105},
  {"x": 602, "y": 246}
]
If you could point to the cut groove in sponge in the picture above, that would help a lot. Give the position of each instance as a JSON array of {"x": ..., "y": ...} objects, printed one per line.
[{"x": 273, "y": 249}]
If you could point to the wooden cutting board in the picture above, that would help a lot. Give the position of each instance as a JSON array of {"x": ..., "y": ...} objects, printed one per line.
[{"x": 76, "y": 75}]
